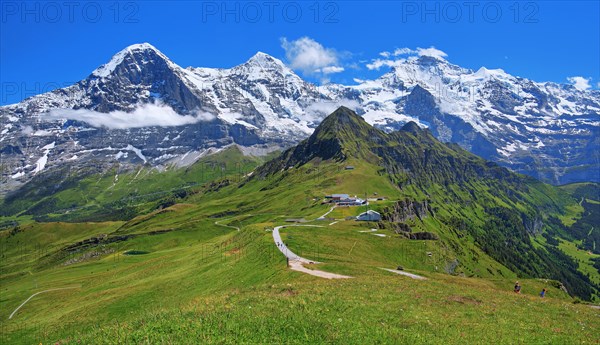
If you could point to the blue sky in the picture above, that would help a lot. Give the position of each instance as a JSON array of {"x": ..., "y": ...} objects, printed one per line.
[{"x": 44, "y": 45}]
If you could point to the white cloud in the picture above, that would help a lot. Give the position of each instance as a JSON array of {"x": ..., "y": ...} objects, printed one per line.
[
  {"x": 310, "y": 57},
  {"x": 406, "y": 53},
  {"x": 580, "y": 83},
  {"x": 145, "y": 115},
  {"x": 378, "y": 63},
  {"x": 431, "y": 51},
  {"x": 331, "y": 69},
  {"x": 354, "y": 66}
]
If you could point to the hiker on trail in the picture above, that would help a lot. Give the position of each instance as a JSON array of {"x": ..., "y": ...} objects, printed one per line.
[
  {"x": 517, "y": 287},
  {"x": 543, "y": 293}
]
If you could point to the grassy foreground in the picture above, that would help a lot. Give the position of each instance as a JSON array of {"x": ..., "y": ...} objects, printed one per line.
[
  {"x": 206, "y": 283},
  {"x": 381, "y": 308}
]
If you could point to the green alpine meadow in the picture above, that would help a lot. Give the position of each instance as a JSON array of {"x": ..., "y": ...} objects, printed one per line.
[
  {"x": 299, "y": 172},
  {"x": 353, "y": 236}
]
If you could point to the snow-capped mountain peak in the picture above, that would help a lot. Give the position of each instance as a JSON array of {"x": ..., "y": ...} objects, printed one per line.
[
  {"x": 514, "y": 121},
  {"x": 137, "y": 54},
  {"x": 265, "y": 59},
  {"x": 262, "y": 65}
]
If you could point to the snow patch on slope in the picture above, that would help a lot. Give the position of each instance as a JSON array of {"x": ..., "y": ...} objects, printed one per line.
[
  {"x": 42, "y": 161},
  {"x": 137, "y": 151},
  {"x": 235, "y": 118}
]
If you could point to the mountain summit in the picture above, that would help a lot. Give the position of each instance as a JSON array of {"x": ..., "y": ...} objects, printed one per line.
[
  {"x": 136, "y": 55},
  {"x": 413, "y": 128},
  {"x": 345, "y": 126},
  {"x": 266, "y": 61},
  {"x": 340, "y": 136},
  {"x": 411, "y": 154}
]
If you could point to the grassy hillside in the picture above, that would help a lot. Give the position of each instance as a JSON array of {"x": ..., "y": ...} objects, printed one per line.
[
  {"x": 202, "y": 266},
  {"x": 83, "y": 194},
  {"x": 586, "y": 228},
  {"x": 206, "y": 282},
  {"x": 483, "y": 214}
]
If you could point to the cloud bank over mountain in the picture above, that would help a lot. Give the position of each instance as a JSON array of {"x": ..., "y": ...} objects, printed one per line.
[{"x": 145, "y": 115}]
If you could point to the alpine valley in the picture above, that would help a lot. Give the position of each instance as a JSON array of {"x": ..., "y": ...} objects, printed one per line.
[{"x": 152, "y": 204}]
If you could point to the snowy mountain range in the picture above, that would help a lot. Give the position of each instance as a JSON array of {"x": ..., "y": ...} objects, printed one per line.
[{"x": 141, "y": 107}]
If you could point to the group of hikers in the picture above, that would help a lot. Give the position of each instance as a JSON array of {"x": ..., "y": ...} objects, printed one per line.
[{"x": 518, "y": 290}]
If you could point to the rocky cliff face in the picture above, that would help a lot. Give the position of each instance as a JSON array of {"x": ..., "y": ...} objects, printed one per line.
[{"x": 405, "y": 210}]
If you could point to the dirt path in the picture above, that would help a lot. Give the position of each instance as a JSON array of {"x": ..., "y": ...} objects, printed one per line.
[
  {"x": 411, "y": 275},
  {"x": 325, "y": 215},
  {"x": 226, "y": 226},
  {"x": 296, "y": 262},
  {"x": 37, "y": 293}
]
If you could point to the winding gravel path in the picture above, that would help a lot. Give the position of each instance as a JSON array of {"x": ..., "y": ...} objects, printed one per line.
[
  {"x": 411, "y": 275},
  {"x": 226, "y": 226},
  {"x": 296, "y": 262},
  {"x": 37, "y": 293},
  {"x": 327, "y": 213}
]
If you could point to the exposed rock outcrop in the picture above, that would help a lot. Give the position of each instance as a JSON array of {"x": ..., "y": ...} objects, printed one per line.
[{"x": 404, "y": 210}]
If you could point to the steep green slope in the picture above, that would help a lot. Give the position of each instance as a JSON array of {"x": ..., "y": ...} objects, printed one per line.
[
  {"x": 471, "y": 201},
  {"x": 586, "y": 229},
  {"x": 117, "y": 194},
  {"x": 582, "y": 242}
]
